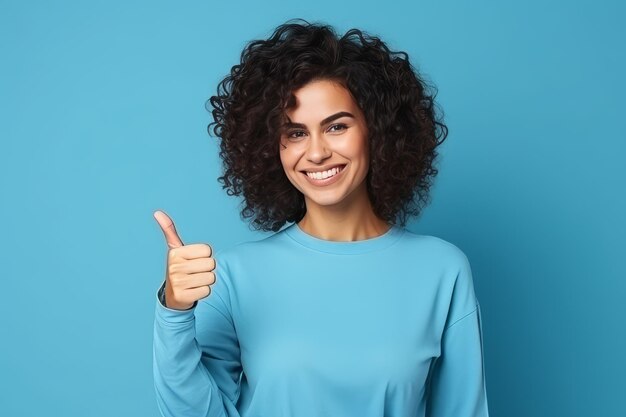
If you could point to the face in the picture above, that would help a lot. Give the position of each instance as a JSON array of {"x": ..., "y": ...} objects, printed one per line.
[{"x": 325, "y": 130}]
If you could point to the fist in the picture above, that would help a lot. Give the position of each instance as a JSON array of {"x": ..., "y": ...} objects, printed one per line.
[{"x": 188, "y": 274}]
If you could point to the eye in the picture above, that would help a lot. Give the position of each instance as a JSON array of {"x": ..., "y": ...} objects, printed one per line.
[
  {"x": 290, "y": 135},
  {"x": 339, "y": 125}
]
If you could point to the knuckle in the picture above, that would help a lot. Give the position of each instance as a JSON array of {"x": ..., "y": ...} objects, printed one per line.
[
  {"x": 209, "y": 264},
  {"x": 176, "y": 281},
  {"x": 174, "y": 268}
]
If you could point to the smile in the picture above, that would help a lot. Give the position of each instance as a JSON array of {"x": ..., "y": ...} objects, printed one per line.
[{"x": 326, "y": 177}]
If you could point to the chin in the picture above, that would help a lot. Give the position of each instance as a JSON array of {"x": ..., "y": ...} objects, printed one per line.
[
  {"x": 323, "y": 202},
  {"x": 325, "y": 198}
]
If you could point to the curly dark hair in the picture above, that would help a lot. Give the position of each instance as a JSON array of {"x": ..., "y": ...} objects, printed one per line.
[{"x": 405, "y": 124}]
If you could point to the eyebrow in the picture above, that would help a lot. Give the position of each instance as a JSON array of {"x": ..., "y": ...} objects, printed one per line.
[{"x": 323, "y": 122}]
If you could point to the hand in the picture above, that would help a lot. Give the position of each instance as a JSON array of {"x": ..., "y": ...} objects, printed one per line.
[{"x": 188, "y": 275}]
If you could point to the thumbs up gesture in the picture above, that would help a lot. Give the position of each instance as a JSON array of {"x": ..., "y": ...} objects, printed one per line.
[{"x": 188, "y": 275}]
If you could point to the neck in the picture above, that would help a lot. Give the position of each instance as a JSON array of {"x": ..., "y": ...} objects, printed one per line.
[{"x": 353, "y": 220}]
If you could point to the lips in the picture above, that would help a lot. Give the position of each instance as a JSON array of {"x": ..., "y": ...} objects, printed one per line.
[
  {"x": 326, "y": 181},
  {"x": 326, "y": 169}
]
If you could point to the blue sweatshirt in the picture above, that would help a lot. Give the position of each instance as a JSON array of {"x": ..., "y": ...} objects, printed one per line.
[{"x": 297, "y": 326}]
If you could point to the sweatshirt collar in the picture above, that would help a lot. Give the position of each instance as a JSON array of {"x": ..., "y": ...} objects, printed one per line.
[{"x": 338, "y": 247}]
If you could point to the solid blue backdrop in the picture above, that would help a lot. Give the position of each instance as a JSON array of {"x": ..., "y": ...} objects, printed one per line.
[{"x": 103, "y": 122}]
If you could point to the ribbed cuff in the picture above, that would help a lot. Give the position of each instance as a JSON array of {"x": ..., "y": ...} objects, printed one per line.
[{"x": 169, "y": 314}]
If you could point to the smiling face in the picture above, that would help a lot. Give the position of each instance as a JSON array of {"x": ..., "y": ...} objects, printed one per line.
[{"x": 326, "y": 130}]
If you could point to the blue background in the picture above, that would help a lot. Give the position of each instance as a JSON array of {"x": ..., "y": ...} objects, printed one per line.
[{"x": 103, "y": 121}]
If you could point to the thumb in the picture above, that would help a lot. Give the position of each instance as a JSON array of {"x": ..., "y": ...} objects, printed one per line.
[{"x": 167, "y": 226}]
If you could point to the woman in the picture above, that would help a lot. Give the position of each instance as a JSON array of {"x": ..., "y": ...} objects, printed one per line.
[{"x": 344, "y": 312}]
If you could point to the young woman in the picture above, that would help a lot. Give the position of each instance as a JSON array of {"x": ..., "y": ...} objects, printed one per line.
[{"x": 344, "y": 312}]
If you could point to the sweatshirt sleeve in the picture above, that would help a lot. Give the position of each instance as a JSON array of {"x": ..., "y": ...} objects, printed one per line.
[
  {"x": 196, "y": 356},
  {"x": 457, "y": 380}
]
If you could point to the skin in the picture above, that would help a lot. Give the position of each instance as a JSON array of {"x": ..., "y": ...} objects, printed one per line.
[
  {"x": 341, "y": 211},
  {"x": 338, "y": 212}
]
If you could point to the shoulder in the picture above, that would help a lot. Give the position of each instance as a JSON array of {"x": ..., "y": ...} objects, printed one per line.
[
  {"x": 450, "y": 267},
  {"x": 248, "y": 250},
  {"x": 453, "y": 259},
  {"x": 435, "y": 249}
]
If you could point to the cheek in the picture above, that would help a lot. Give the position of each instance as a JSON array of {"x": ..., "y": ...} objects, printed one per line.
[
  {"x": 364, "y": 157},
  {"x": 288, "y": 163},
  {"x": 355, "y": 146},
  {"x": 284, "y": 158},
  {"x": 357, "y": 152}
]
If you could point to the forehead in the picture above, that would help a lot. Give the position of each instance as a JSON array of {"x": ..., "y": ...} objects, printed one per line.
[{"x": 319, "y": 98}]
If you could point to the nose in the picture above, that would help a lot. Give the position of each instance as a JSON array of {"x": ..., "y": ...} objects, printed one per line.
[{"x": 317, "y": 149}]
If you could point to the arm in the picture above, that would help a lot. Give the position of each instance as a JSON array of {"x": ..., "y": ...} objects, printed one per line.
[
  {"x": 196, "y": 357},
  {"x": 457, "y": 385},
  {"x": 457, "y": 376}
]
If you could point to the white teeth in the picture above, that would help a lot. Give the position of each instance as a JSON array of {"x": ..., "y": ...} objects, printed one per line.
[{"x": 324, "y": 174}]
